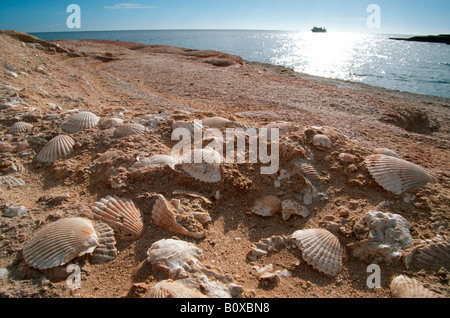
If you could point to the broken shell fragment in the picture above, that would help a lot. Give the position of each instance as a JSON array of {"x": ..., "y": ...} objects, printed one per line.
[
  {"x": 20, "y": 127},
  {"x": 10, "y": 181},
  {"x": 290, "y": 207},
  {"x": 155, "y": 161},
  {"x": 266, "y": 206},
  {"x": 122, "y": 215},
  {"x": 321, "y": 249},
  {"x": 169, "y": 288},
  {"x": 59, "y": 242},
  {"x": 322, "y": 142},
  {"x": 79, "y": 122},
  {"x": 129, "y": 129},
  {"x": 174, "y": 219},
  {"x": 397, "y": 175},
  {"x": 59, "y": 147},
  {"x": 347, "y": 157},
  {"x": 405, "y": 287},
  {"x": 175, "y": 257},
  {"x": 110, "y": 122}
]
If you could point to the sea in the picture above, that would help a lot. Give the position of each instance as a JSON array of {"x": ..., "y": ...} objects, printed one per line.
[{"x": 374, "y": 59}]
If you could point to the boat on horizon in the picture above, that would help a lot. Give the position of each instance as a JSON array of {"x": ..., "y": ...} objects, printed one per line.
[{"x": 317, "y": 29}]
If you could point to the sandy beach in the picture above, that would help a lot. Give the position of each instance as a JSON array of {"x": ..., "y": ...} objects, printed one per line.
[{"x": 158, "y": 85}]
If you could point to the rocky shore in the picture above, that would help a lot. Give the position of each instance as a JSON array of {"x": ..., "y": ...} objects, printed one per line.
[{"x": 238, "y": 251}]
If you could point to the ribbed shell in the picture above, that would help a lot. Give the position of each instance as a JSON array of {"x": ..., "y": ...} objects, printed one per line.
[
  {"x": 106, "y": 250},
  {"x": 79, "y": 122},
  {"x": 11, "y": 181},
  {"x": 433, "y": 253},
  {"x": 406, "y": 287},
  {"x": 203, "y": 165},
  {"x": 387, "y": 152},
  {"x": 396, "y": 175},
  {"x": 322, "y": 142},
  {"x": 321, "y": 249},
  {"x": 166, "y": 216},
  {"x": 173, "y": 289},
  {"x": 20, "y": 127},
  {"x": 59, "y": 147},
  {"x": 122, "y": 215},
  {"x": 129, "y": 129},
  {"x": 59, "y": 242}
]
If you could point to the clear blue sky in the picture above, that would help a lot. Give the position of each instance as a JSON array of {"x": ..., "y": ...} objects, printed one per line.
[{"x": 397, "y": 16}]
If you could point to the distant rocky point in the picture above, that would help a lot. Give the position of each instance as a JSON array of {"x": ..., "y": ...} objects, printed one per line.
[{"x": 441, "y": 38}]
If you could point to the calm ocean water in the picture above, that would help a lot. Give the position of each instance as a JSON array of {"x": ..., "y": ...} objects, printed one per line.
[{"x": 422, "y": 68}]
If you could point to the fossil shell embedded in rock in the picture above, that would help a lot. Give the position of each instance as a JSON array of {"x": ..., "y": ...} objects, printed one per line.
[
  {"x": 203, "y": 165},
  {"x": 175, "y": 220},
  {"x": 169, "y": 288},
  {"x": 405, "y": 287},
  {"x": 129, "y": 129},
  {"x": 176, "y": 257},
  {"x": 79, "y": 122},
  {"x": 321, "y": 249},
  {"x": 59, "y": 242},
  {"x": 20, "y": 127},
  {"x": 397, "y": 175},
  {"x": 59, "y": 147},
  {"x": 122, "y": 215},
  {"x": 322, "y": 142}
]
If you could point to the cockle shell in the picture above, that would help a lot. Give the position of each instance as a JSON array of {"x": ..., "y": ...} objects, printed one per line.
[
  {"x": 59, "y": 147},
  {"x": 203, "y": 165},
  {"x": 175, "y": 257},
  {"x": 59, "y": 242},
  {"x": 79, "y": 122},
  {"x": 321, "y": 249},
  {"x": 106, "y": 250},
  {"x": 397, "y": 175},
  {"x": 169, "y": 288},
  {"x": 322, "y": 142},
  {"x": 122, "y": 215},
  {"x": 405, "y": 287},
  {"x": 176, "y": 220},
  {"x": 129, "y": 129},
  {"x": 430, "y": 253},
  {"x": 20, "y": 127},
  {"x": 266, "y": 206}
]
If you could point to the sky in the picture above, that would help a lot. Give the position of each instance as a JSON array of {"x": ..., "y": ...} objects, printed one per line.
[{"x": 395, "y": 16}]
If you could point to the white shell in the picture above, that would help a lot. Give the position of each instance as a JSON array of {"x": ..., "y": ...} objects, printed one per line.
[
  {"x": 59, "y": 147},
  {"x": 175, "y": 257},
  {"x": 397, "y": 175},
  {"x": 59, "y": 242},
  {"x": 79, "y": 122},
  {"x": 175, "y": 220},
  {"x": 405, "y": 287},
  {"x": 20, "y": 127},
  {"x": 203, "y": 165},
  {"x": 290, "y": 207},
  {"x": 321, "y": 249},
  {"x": 266, "y": 206},
  {"x": 129, "y": 129},
  {"x": 154, "y": 161},
  {"x": 169, "y": 288},
  {"x": 122, "y": 215},
  {"x": 322, "y": 142}
]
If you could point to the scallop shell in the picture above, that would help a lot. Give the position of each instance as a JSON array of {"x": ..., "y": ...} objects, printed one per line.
[
  {"x": 321, "y": 249},
  {"x": 215, "y": 122},
  {"x": 203, "y": 165},
  {"x": 397, "y": 175},
  {"x": 122, "y": 215},
  {"x": 79, "y": 122},
  {"x": 106, "y": 250},
  {"x": 322, "y": 142},
  {"x": 173, "y": 289},
  {"x": 175, "y": 257},
  {"x": 20, "y": 127},
  {"x": 266, "y": 206},
  {"x": 387, "y": 152},
  {"x": 405, "y": 287},
  {"x": 11, "y": 181},
  {"x": 175, "y": 220},
  {"x": 129, "y": 129},
  {"x": 59, "y": 242},
  {"x": 431, "y": 253},
  {"x": 59, "y": 147}
]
